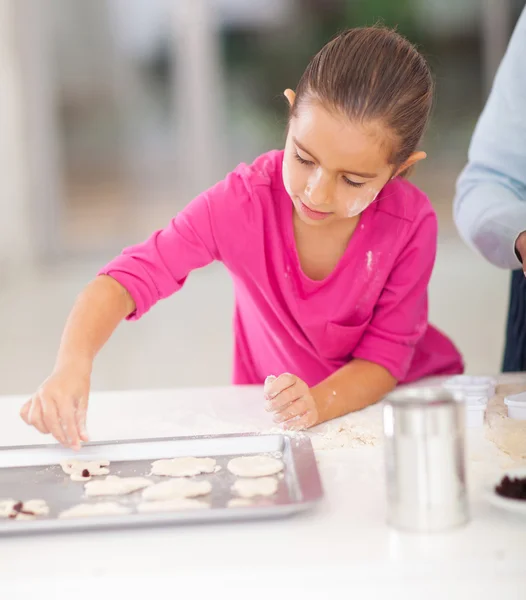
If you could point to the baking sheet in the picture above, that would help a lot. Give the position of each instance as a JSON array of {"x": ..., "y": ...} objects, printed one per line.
[{"x": 33, "y": 472}]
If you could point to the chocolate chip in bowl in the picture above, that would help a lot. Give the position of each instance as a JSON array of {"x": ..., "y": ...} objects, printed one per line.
[
  {"x": 512, "y": 488},
  {"x": 507, "y": 491}
]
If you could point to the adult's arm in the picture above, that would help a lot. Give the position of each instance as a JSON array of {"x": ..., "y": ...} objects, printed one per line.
[{"x": 490, "y": 202}]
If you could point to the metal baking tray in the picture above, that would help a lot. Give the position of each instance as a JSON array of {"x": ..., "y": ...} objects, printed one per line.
[{"x": 33, "y": 472}]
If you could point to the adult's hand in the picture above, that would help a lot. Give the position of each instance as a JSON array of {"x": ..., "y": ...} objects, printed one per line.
[{"x": 520, "y": 249}]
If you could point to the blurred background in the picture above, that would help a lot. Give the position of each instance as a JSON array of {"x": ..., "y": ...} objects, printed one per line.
[{"x": 115, "y": 113}]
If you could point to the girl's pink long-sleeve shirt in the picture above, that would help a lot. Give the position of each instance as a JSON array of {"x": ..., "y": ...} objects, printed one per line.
[{"x": 373, "y": 306}]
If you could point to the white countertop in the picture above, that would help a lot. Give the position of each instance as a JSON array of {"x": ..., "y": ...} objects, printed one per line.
[{"x": 344, "y": 544}]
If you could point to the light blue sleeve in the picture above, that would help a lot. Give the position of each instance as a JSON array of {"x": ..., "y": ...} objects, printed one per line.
[{"x": 490, "y": 203}]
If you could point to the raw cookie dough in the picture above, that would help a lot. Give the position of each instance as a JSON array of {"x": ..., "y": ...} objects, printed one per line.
[
  {"x": 94, "y": 510},
  {"x": 184, "y": 466},
  {"x": 23, "y": 511},
  {"x": 255, "y": 466},
  {"x": 171, "y": 505},
  {"x": 116, "y": 486},
  {"x": 248, "y": 488},
  {"x": 509, "y": 435},
  {"x": 177, "y": 488},
  {"x": 82, "y": 470},
  {"x": 6, "y": 507},
  {"x": 239, "y": 503}
]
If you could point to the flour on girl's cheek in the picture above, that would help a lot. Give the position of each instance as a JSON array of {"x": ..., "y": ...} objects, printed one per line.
[
  {"x": 361, "y": 202},
  {"x": 312, "y": 182},
  {"x": 286, "y": 179}
]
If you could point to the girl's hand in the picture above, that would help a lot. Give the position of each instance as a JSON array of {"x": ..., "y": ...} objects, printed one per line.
[
  {"x": 291, "y": 401},
  {"x": 60, "y": 404}
]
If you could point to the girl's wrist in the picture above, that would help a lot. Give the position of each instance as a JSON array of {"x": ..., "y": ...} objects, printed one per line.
[
  {"x": 76, "y": 362},
  {"x": 321, "y": 405}
]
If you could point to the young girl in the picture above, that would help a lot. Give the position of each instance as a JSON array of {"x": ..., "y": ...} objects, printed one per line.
[{"x": 329, "y": 247}]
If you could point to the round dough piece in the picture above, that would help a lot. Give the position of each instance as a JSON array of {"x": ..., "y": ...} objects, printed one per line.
[
  {"x": 262, "y": 486},
  {"x": 116, "y": 486},
  {"x": 83, "y": 470},
  {"x": 23, "y": 511},
  {"x": 6, "y": 507},
  {"x": 38, "y": 507},
  {"x": 183, "y": 466},
  {"x": 239, "y": 503},
  {"x": 94, "y": 510},
  {"x": 80, "y": 476},
  {"x": 20, "y": 516},
  {"x": 171, "y": 505},
  {"x": 255, "y": 466},
  {"x": 177, "y": 488}
]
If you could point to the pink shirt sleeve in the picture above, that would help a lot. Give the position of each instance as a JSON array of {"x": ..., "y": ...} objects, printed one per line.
[
  {"x": 400, "y": 315},
  {"x": 198, "y": 235}
]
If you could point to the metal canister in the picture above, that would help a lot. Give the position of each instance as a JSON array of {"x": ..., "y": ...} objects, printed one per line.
[{"x": 425, "y": 459}]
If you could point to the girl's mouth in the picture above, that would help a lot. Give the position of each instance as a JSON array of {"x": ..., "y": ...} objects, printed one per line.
[{"x": 315, "y": 215}]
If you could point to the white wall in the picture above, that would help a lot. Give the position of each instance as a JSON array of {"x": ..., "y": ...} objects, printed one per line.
[
  {"x": 15, "y": 239},
  {"x": 30, "y": 197}
]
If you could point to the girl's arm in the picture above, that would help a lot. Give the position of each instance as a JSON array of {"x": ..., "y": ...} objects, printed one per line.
[
  {"x": 102, "y": 305},
  {"x": 59, "y": 405},
  {"x": 128, "y": 287},
  {"x": 490, "y": 206},
  {"x": 355, "y": 386}
]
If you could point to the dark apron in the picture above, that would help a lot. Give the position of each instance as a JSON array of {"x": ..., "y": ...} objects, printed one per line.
[{"x": 515, "y": 349}]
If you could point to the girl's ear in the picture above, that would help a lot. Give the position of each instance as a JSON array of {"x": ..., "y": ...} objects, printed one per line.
[
  {"x": 410, "y": 162},
  {"x": 290, "y": 95}
]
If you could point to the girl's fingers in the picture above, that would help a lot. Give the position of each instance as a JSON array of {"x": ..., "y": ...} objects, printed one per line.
[
  {"x": 68, "y": 422},
  {"x": 267, "y": 384},
  {"x": 286, "y": 397},
  {"x": 297, "y": 408},
  {"x": 24, "y": 411},
  {"x": 302, "y": 422},
  {"x": 80, "y": 417},
  {"x": 52, "y": 420},
  {"x": 35, "y": 416},
  {"x": 279, "y": 385}
]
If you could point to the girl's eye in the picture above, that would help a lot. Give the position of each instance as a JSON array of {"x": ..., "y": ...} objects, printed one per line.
[
  {"x": 303, "y": 161},
  {"x": 353, "y": 183}
]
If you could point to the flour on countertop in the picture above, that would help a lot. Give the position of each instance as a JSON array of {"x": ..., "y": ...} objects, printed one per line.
[
  {"x": 345, "y": 434},
  {"x": 280, "y": 431}
]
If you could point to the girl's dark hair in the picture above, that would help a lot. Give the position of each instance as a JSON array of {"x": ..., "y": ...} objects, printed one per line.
[{"x": 373, "y": 74}]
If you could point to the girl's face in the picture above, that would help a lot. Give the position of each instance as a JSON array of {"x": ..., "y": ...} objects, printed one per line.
[{"x": 332, "y": 168}]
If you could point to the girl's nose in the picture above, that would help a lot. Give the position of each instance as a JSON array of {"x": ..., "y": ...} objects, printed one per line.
[{"x": 318, "y": 190}]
